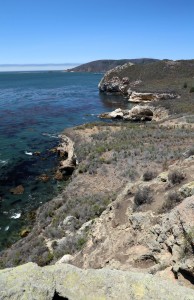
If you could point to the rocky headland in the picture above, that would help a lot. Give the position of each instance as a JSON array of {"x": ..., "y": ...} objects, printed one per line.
[{"x": 128, "y": 209}]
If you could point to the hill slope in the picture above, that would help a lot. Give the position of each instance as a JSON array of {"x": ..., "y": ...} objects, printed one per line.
[{"x": 108, "y": 64}]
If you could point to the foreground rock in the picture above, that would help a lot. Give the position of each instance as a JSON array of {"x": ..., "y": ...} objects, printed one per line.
[
  {"x": 68, "y": 282},
  {"x": 137, "y": 113}
]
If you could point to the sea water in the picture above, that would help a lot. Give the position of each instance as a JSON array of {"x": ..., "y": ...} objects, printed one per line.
[{"x": 35, "y": 107}]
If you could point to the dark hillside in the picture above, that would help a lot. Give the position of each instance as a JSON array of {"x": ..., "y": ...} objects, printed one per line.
[{"x": 108, "y": 64}]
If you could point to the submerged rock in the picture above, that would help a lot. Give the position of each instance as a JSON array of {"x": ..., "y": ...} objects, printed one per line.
[
  {"x": 58, "y": 175},
  {"x": 18, "y": 190},
  {"x": 44, "y": 177}
]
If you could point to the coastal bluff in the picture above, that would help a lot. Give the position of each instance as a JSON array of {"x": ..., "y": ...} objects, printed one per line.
[{"x": 63, "y": 281}]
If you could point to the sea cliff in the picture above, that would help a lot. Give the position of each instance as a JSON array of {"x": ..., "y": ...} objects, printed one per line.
[{"x": 128, "y": 206}]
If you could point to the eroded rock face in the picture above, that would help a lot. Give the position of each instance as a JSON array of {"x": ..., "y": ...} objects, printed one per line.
[
  {"x": 63, "y": 281},
  {"x": 66, "y": 152},
  {"x": 115, "y": 85}
]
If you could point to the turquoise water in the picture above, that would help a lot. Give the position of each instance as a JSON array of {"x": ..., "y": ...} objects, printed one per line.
[{"x": 34, "y": 108}]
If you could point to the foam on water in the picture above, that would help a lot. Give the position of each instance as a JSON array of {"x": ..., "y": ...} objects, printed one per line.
[
  {"x": 16, "y": 216},
  {"x": 28, "y": 153}
]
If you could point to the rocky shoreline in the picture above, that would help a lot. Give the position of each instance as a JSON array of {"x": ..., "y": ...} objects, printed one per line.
[{"x": 128, "y": 206}]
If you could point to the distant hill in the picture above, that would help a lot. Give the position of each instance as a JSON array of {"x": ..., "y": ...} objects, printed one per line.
[{"x": 105, "y": 65}]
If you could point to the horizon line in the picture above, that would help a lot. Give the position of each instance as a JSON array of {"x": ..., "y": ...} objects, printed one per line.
[{"x": 36, "y": 64}]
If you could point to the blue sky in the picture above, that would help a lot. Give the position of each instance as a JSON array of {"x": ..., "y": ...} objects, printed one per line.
[{"x": 78, "y": 31}]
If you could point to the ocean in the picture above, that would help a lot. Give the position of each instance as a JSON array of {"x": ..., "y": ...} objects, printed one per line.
[{"x": 35, "y": 107}]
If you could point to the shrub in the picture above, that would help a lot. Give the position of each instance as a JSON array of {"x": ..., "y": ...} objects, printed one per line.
[
  {"x": 176, "y": 176},
  {"x": 149, "y": 175},
  {"x": 143, "y": 196},
  {"x": 190, "y": 152},
  {"x": 185, "y": 85},
  {"x": 192, "y": 89},
  {"x": 173, "y": 198}
]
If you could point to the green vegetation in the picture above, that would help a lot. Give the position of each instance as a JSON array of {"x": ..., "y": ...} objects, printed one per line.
[
  {"x": 149, "y": 175},
  {"x": 143, "y": 196},
  {"x": 116, "y": 151},
  {"x": 176, "y": 177},
  {"x": 192, "y": 89},
  {"x": 173, "y": 198}
]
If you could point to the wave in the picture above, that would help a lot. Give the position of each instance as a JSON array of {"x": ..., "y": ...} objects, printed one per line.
[
  {"x": 16, "y": 216},
  {"x": 28, "y": 153},
  {"x": 3, "y": 162}
]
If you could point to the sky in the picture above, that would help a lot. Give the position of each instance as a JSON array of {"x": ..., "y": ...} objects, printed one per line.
[{"x": 79, "y": 31}]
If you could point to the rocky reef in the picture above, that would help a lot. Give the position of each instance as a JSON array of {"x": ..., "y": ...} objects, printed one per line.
[{"x": 70, "y": 283}]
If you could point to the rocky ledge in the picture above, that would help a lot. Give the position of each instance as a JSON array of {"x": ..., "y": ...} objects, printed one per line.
[
  {"x": 137, "y": 113},
  {"x": 68, "y": 282},
  {"x": 148, "y": 97}
]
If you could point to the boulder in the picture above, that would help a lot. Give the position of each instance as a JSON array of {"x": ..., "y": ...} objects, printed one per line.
[
  {"x": 187, "y": 189},
  {"x": 44, "y": 177},
  {"x": 139, "y": 113},
  {"x": 24, "y": 233},
  {"x": 58, "y": 175},
  {"x": 116, "y": 114}
]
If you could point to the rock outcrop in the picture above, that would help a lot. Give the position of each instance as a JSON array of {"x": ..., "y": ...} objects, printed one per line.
[
  {"x": 137, "y": 113},
  {"x": 68, "y": 282},
  {"x": 67, "y": 154},
  {"x": 149, "y": 97},
  {"x": 124, "y": 86},
  {"x": 144, "y": 83}
]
